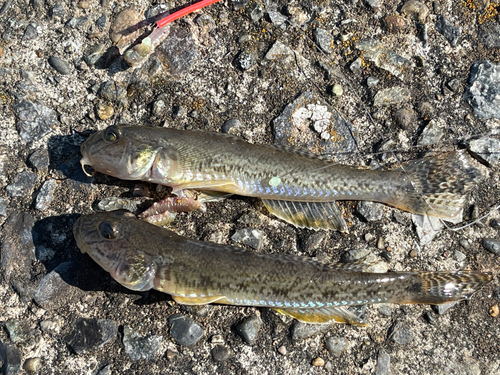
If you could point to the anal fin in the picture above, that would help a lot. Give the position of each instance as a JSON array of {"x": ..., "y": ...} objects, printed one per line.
[
  {"x": 198, "y": 300},
  {"x": 323, "y": 315},
  {"x": 312, "y": 215}
]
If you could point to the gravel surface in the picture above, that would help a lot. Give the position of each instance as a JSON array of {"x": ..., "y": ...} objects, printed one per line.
[{"x": 365, "y": 82}]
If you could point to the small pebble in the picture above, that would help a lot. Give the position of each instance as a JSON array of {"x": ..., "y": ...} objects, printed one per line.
[
  {"x": 140, "y": 347},
  {"x": 22, "y": 185},
  {"x": 60, "y": 65},
  {"x": 231, "y": 126},
  {"x": 383, "y": 363},
  {"x": 318, "y": 362},
  {"x": 104, "y": 111},
  {"x": 314, "y": 241},
  {"x": 76, "y": 22},
  {"x": 336, "y": 345},
  {"x": 370, "y": 211},
  {"x": 494, "y": 311},
  {"x": 300, "y": 330},
  {"x": 57, "y": 11},
  {"x": 492, "y": 245},
  {"x": 380, "y": 243},
  {"x": 221, "y": 353},
  {"x": 32, "y": 364},
  {"x": 450, "y": 32},
  {"x": 442, "y": 308},
  {"x": 459, "y": 256},
  {"x": 416, "y": 7},
  {"x": 184, "y": 330},
  {"x": 385, "y": 310},
  {"x": 323, "y": 39},
  {"x": 250, "y": 237},
  {"x": 487, "y": 148},
  {"x": 400, "y": 334},
  {"x": 90, "y": 334},
  {"x": 465, "y": 244},
  {"x": 282, "y": 350},
  {"x": 45, "y": 195},
  {"x": 404, "y": 118},
  {"x": 249, "y": 329},
  {"x": 372, "y": 81},
  {"x": 40, "y": 160},
  {"x": 337, "y": 89}
]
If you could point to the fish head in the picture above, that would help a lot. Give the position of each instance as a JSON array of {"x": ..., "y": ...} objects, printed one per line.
[
  {"x": 108, "y": 239},
  {"x": 123, "y": 152}
]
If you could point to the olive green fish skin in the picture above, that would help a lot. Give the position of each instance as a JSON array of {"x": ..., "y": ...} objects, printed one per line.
[
  {"x": 142, "y": 256},
  {"x": 178, "y": 157},
  {"x": 218, "y": 162}
]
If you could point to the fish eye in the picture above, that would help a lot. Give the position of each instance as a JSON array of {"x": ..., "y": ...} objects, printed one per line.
[
  {"x": 106, "y": 230},
  {"x": 111, "y": 134}
]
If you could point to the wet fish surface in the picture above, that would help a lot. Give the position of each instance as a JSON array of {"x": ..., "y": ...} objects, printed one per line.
[
  {"x": 296, "y": 186},
  {"x": 142, "y": 256}
]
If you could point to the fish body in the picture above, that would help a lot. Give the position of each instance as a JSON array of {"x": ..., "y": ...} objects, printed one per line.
[
  {"x": 296, "y": 186},
  {"x": 142, "y": 256}
]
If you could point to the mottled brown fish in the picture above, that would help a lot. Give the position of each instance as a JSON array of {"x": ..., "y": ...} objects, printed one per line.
[
  {"x": 142, "y": 256},
  {"x": 295, "y": 186}
]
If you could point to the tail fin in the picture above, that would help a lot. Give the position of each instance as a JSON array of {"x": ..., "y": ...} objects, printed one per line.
[
  {"x": 435, "y": 288},
  {"x": 439, "y": 184}
]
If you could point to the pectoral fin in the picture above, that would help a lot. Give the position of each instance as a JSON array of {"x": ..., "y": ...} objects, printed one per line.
[
  {"x": 312, "y": 215},
  {"x": 323, "y": 315},
  {"x": 198, "y": 300},
  {"x": 227, "y": 187}
]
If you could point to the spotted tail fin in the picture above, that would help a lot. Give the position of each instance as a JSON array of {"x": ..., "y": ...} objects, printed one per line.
[{"x": 439, "y": 183}]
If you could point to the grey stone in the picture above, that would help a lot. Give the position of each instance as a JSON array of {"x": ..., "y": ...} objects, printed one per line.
[
  {"x": 22, "y": 184},
  {"x": 450, "y": 32},
  {"x": 256, "y": 13},
  {"x": 432, "y": 133},
  {"x": 4, "y": 203},
  {"x": 487, "y": 148},
  {"x": 158, "y": 107},
  {"x": 178, "y": 52},
  {"x": 111, "y": 91},
  {"x": 246, "y": 60},
  {"x": 184, "y": 330},
  {"x": 300, "y": 330},
  {"x": 53, "y": 291},
  {"x": 101, "y": 22},
  {"x": 492, "y": 245},
  {"x": 372, "y": 81},
  {"x": 384, "y": 58},
  {"x": 95, "y": 53},
  {"x": 277, "y": 18},
  {"x": 11, "y": 358},
  {"x": 459, "y": 256},
  {"x": 400, "y": 334},
  {"x": 370, "y": 211},
  {"x": 220, "y": 353},
  {"x": 57, "y": 11},
  {"x": 356, "y": 65},
  {"x": 238, "y": 4},
  {"x": 156, "y": 10},
  {"x": 30, "y": 33},
  {"x": 489, "y": 34},
  {"x": 90, "y": 334},
  {"x": 426, "y": 227},
  {"x": 483, "y": 93},
  {"x": 76, "y": 22},
  {"x": 465, "y": 244},
  {"x": 33, "y": 120},
  {"x": 114, "y": 203},
  {"x": 385, "y": 310},
  {"x": 391, "y": 96},
  {"x": 17, "y": 248},
  {"x": 280, "y": 52},
  {"x": 140, "y": 347},
  {"x": 309, "y": 122},
  {"x": 314, "y": 241},
  {"x": 45, "y": 195},
  {"x": 250, "y": 237},
  {"x": 60, "y": 65},
  {"x": 442, "y": 308},
  {"x": 19, "y": 331},
  {"x": 336, "y": 345},
  {"x": 383, "y": 363},
  {"x": 323, "y": 39},
  {"x": 40, "y": 160},
  {"x": 178, "y": 112},
  {"x": 231, "y": 126},
  {"x": 374, "y": 3},
  {"x": 404, "y": 118},
  {"x": 249, "y": 329},
  {"x": 416, "y": 7}
]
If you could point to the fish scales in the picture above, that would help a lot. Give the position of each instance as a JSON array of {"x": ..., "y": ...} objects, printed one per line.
[
  {"x": 294, "y": 185},
  {"x": 142, "y": 256}
]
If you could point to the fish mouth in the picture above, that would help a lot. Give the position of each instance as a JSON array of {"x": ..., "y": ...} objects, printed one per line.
[{"x": 83, "y": 162}]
